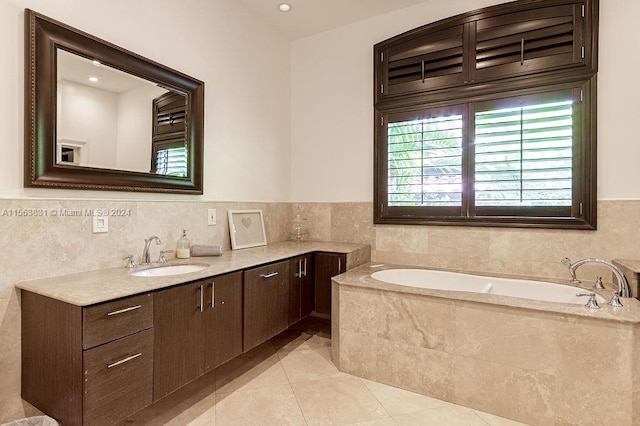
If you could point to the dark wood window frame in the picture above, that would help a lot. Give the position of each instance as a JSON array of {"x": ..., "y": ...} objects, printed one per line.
[{"x": 567, "y": 63}]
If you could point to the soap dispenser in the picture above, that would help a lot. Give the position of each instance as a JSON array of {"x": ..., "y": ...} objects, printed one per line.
[{"x": 183, "y": 250}]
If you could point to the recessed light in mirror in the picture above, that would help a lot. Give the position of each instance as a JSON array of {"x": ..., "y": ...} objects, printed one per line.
[
  {"x": 284, "y": 7},
  {"x": 93, "y": 79},
  {"x": 96, "y": 63}
]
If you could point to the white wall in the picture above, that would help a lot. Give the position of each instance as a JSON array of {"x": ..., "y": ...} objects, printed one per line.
[
  {"x": 135, "y": 123},
  {"x": 244, "y": 63},
  {"x": 90, "y": 115},
  {"x": 332, "y": 101}
]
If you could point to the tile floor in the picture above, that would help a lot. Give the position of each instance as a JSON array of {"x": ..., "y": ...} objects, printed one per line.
[{"x": 290, "y": 380}]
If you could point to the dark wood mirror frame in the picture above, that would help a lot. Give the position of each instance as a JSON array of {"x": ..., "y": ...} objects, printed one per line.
[{"x": 43, "y": 36}]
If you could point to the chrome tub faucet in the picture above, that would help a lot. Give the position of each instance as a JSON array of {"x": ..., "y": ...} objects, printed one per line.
[{"x": 623, "y": 285}]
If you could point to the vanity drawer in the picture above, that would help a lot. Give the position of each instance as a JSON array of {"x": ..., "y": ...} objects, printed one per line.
[
  {"x": 118, "y": 379},
  {"x": 109, "y": 321}
]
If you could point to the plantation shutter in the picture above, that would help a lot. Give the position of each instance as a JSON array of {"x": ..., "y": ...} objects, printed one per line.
[
  {"x": 169, "y": 150},
  {"x": 424, "y": 160},
  {"x": 423, "y": 63},
  {"x": 170, "y": 159},
  {"x": 524, "y": 154},
  {"x": 533, "y": 40}
]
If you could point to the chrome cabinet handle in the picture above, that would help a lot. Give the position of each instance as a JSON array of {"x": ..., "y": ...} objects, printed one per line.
[
  {"x": 299, "y": 274},
  {"x": 122, "y": 311},
  {"x": 201, "y": 307},
  {"x": 123, "y": 360},
  {"x": 213, "y": 294},
  {"x": 269, "y": 275},
  {"x": 339, "y": 265},
  {"x": 305, "y": 266}
]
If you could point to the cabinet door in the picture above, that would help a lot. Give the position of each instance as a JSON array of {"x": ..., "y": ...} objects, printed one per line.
[
  {"x": 266, "y": 303},
  {"x": 301, "y": 289},
  {"x": 295, "y": 289},
  {"x": 178, "y": 352},
  {"x": 327, "y": 265},
  {"x": 222, "y": 328},
  {"x": 308, "y": 290}
]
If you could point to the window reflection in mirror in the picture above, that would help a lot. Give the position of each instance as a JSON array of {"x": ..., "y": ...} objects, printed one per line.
[{"x": 113, "y": 120}]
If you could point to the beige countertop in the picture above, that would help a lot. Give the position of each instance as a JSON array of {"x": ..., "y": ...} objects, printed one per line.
[
  {"x": 629, "y": 313},
  {"x": 91, "y": 287}
]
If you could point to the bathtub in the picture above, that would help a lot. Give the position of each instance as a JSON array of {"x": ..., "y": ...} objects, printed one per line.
[
  {"x": 525, "y": 350},
  {"x": 452, "y": 281}
]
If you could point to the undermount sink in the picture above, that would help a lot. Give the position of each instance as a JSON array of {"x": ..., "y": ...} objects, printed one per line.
[{"x": 163, "y": 271}]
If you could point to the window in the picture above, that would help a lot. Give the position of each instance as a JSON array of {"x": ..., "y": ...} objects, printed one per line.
[
  {"x": 170, "y": 159},
  {"x": 510, "y": 148}
]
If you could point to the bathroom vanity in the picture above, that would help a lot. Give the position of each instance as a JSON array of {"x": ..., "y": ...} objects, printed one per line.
[{"x": 98, "y": 346}]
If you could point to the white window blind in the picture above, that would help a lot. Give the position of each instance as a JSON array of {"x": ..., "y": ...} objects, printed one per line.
[
  {"x": 425, "y": 162},
  {"x": 172, "y": 161},
  {"x": 524, "y": 155}
]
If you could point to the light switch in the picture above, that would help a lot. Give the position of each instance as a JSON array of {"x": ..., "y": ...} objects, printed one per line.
[
  {"x": 100, "y": 224},
  {"x": 211, "y": 217}
]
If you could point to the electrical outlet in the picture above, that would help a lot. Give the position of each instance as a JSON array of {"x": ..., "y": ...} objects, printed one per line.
[
  {"x": 211, "y": 217},
  {"x": 100, "y": 224}
]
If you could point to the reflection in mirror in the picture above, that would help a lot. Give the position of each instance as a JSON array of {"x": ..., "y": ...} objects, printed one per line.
[
  {"x": 98, "y": 116},
  {"x": 114, "y": 120}
]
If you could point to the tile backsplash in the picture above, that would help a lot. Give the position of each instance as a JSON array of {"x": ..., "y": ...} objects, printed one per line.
[{"x": 40, "y": 246}]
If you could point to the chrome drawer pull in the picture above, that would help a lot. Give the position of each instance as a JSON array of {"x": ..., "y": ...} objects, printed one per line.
[
  {"x": 122, "y": 361},
  {"x": 122, "y": 311},
  {"x": 269, "y": 275}
]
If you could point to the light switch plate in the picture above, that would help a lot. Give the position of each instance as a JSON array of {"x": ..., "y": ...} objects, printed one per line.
[
  {"x": 211, "y": 217},
  {"x": 100, "y": 224}
]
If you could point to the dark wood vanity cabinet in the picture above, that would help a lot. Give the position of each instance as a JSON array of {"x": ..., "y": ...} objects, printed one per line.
[
  {"x": 198, "y": 326},
  {"x": 301, "y": 287},
  {"x": 87, "y": 365},
  {"x": 223, "y": 320},
  {"x": 266, "y": 302},
  {"x": 327, "y": 265}
]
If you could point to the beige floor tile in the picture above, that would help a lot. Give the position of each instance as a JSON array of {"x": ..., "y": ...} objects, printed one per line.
[
  {"x": 274, "y": 405},
  {"x": 451, "y": 415},
  {"x": 497, "y": 421},
  {"x": 399, "y": 401},
  {"x": 285, "y": 343},
  {"x": 337, "y": 401},
  {"x": 194, "y": 402},
  {"x": 310, "y": 364},
  {"x": 383, "y": 421},
  {"x": 257, "y": 368}
]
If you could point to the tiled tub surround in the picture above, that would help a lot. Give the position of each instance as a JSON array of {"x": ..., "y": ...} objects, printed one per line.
[{"x": 536, "y": 362}]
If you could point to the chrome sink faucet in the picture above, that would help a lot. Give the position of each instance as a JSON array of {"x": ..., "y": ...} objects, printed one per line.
[
  {"x": 623, "y": 285},
  {"x": 146, "y": 257}
]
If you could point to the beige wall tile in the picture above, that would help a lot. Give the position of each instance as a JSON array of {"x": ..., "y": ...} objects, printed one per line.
[
  {"x": 510, "y": 392},
  {"x": 316, "y": 219},
  {"x": 578, "y": 404},
  {"x": 416, "y": 369},
  {"x": 352, "y": 223},
  {"x": 418, "y": 321},
  {"x": 596, "y": 352},
  {"x": 402, "y": 239},
  {"x": 358, "y": 354},
  {"x": 360, "y": 310},
  {"x": 507, "y": 336}
]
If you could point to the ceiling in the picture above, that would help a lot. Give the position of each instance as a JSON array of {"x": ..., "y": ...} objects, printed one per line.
[{"x": 308, "y": 17}]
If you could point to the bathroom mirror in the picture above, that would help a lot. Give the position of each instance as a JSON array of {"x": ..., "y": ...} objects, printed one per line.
[{"x": 100, "y": 117}]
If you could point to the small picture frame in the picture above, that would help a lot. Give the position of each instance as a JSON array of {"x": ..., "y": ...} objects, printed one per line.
[{"x": 246, "y": 229}]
